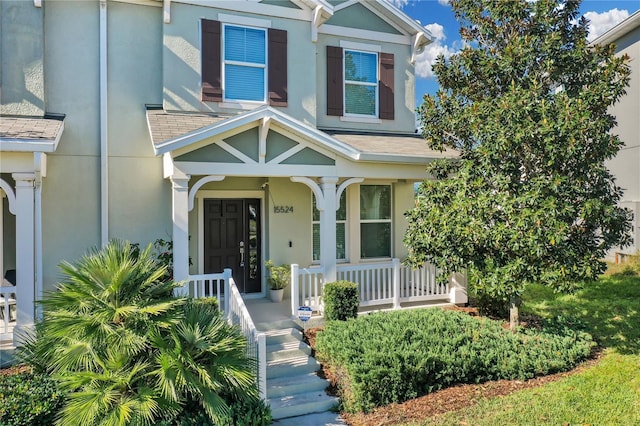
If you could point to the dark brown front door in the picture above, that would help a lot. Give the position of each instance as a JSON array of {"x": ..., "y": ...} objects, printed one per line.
[{"x": 232, "y": 240}]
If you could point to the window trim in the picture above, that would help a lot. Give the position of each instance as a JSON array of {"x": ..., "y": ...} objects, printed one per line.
[
  {"x": 264, "y": 67},
  {"x": 346, "y": 114},
  {"x": 390, "y": 221}
]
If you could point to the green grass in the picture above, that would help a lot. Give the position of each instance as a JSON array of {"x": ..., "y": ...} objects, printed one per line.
[{"x": 607, "y": 393}]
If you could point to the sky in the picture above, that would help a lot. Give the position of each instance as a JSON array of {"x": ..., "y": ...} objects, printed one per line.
[{"x": 437, "y": 17}]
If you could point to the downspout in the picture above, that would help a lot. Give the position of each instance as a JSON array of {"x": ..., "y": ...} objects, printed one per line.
[
  {"x": 37, "y": 228},
  {"x": 104, "y": 151}
]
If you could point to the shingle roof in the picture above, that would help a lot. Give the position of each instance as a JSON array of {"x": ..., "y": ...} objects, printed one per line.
[
  {"x": 29, "y": 128},
  {"x": 30, "y": 134},
  {"x": 394, "y": 144},
  {"x": 164, "y": 126}
]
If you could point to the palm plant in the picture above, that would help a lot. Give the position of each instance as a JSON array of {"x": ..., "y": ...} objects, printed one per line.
[{"x": 126, "y": 350}]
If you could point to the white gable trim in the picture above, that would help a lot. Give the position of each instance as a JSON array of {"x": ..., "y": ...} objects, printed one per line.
[
  {"x": 364, "y": 34},
  {"x": 253, "y": 8}
]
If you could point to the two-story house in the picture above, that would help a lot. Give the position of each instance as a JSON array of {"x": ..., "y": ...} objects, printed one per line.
[
  {"x": 626, "y": 165},
  {"x": 240, "y": 131}
]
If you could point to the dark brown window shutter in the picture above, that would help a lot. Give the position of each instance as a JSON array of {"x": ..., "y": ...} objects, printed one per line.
[
  {"x": 334, "y": 81},
  {"x": 211, "y": 61},
  {"x": 277, "y": 67},
  {"x": 386, "y": 108}
]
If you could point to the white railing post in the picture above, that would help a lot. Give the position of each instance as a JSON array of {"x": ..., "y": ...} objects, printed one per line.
[
  {"x": 262, "y": 365},
  {"x": 458, "y": 288},
  {"x": 295, "y": 289},
  {"x": 396, "y": 283},
  {"x": 227, "y": 291}
]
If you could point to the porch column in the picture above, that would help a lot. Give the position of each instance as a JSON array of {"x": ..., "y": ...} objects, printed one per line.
[
  {"x": 25, "y": 260},
  {"x": 328, "y": 229},
  {"x": 180, "y": 217}
]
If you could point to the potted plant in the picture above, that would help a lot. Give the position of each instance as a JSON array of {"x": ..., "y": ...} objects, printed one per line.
[{"x": 279, "y": 278}]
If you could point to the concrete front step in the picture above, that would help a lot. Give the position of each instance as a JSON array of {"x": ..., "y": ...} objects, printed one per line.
[
  {"x": 283, "y": 335},
  {"x": 302, "y": 403},
  {"x": 291, "y": 349},
  {"x": 288, "y": 385},
  {"x": 290, "y": 367},
  {"x": 277, "y": 325}
]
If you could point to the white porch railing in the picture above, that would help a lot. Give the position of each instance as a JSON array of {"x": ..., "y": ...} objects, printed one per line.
[
  {"x": 384, "y": 283},
  {"x": 7, "y": 312},
  {"x": 223, "y": 287}
]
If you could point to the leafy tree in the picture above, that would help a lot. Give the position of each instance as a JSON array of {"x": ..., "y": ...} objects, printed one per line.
[
  {"x": 127, "y": 352},
  {"x": 525, "y": 103}
]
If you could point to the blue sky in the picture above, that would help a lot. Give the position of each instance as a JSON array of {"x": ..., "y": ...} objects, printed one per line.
[{"x": 437, "y": 16}]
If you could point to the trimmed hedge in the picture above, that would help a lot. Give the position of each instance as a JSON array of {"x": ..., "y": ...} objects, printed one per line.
[
  {"x": 395, "y": 356},
  {"x": 29, "y": 399},
  {"x": 340, "y": 300}
]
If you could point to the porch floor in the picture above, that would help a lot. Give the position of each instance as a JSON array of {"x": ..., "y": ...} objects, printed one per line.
[{"x": 267, "y": 315}]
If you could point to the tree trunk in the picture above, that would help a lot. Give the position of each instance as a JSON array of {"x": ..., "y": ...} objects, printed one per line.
[{"x": 514, "y": 313}]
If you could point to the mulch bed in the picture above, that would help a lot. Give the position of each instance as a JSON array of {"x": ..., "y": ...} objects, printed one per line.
[{"x": 446, "y": 400}]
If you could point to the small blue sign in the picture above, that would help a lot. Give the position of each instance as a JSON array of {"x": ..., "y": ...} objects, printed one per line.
[{"x": 304, "y": 313}]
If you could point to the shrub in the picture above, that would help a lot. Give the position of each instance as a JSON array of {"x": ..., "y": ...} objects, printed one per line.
[
  {"x": 249, "y": 412},
  {"x": 279, "y": 276},
  {"x": 129, "y": 353},
  {"x": 395, "y": 356},
  {"x": 29, "y": 399},
  {"x": 340, "y": 300}
]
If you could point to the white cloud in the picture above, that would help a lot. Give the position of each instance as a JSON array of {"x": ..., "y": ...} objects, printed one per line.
[
  {"x": 444, "y": 2},
  {"x": 599, "y": 23},
  {"x": 426, "y": 59}
]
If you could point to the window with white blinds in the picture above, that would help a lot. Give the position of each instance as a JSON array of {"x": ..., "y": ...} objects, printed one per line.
[{"x": 245, "y": 63}]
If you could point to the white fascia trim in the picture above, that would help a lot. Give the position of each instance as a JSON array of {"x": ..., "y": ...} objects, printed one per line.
[
  {"x": 345, "y": 4},
  {"x": 253, "y": 7},
  {"x": 360, "y": 46},
  {"x": 254, "y": 170},
  {"x": 153, "y": 3},
  {"x": 27, "y": 145},
  {"x": 405, "y": 159},
  {"x": 244, "y": 20},
  {"x": 312, "y": 4},
  {"x": 364, "y": 34}
]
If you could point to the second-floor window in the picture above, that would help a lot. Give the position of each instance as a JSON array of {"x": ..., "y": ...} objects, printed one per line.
[
  {"x": 360, "y": 83},
  {"x": 245, "y": 63}
]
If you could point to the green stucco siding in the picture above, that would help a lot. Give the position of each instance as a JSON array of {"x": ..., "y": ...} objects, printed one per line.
[
  {"x": 277, "y": 144},
  {"x": 358, "y": 16},
  {"x": 246, "y": 143},
  {"x": 210, "y": 153},
  {"x": 310, "y": 157}
]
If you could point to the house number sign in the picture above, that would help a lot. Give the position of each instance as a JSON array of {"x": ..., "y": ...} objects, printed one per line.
[{"x": 283, "y": 209}]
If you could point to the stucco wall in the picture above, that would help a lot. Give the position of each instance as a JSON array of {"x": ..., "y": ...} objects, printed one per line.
[
  {"x": 21, "y": 58},
  {"x": 626, "y": 165},
  {"x": 140, "y": 199}
]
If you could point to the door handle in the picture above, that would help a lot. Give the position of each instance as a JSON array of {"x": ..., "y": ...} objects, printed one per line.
[{"x": 241, "y": 254}]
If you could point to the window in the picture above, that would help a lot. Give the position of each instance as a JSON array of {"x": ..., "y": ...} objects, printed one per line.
[
  {"x": 360, "y": 83},
  {"x": 341, "y": 229},
  {"x": 375, "y": 221},
  {"x": 245, "y": 63}
]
